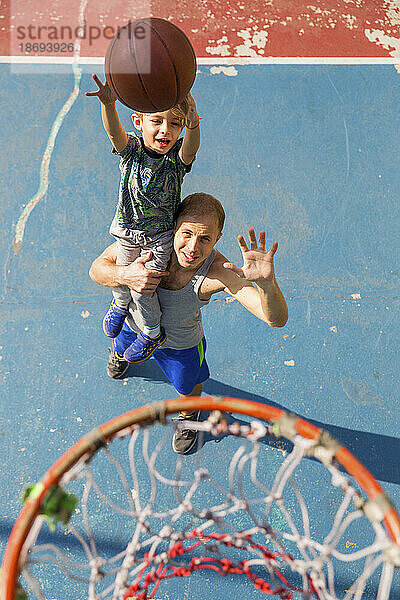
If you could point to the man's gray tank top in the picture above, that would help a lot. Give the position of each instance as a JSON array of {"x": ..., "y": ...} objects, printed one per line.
[{"x": 181, "y": 317}]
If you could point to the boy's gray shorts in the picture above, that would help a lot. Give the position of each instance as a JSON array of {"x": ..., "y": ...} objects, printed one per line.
[{"x": 132, "y": 243}]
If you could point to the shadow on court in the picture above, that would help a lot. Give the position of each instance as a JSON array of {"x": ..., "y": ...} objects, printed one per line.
[{"x": 377, "y": 452}]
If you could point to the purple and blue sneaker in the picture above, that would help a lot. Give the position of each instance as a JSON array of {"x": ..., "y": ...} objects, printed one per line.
[
  {"x": 114, "y": 319},
  {"x": 143, "y": 347}
]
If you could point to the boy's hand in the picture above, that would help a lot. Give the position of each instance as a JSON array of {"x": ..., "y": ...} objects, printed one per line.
[
  {"x": 188, "y": 107},
  {"x": 104, "y": 93}
]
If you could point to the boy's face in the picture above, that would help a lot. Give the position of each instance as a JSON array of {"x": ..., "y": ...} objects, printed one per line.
[{"x": 160, "y": 130}]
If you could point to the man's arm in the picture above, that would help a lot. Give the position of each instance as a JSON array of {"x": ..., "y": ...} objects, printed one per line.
[
  {"x": 136, "y": 275},
  {"x": 191, "y": 139},
  {"x": 112, "y": 125},
  {"x": 264, "y": 299}
]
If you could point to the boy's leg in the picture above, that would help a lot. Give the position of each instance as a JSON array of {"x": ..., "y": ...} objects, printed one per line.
[
  {"x": 148, "y": 312},
  {"x": 127, "y": 252}
]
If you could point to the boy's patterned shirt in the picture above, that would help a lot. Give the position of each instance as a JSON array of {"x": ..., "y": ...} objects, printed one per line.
[{"x": 150, "y": 187}]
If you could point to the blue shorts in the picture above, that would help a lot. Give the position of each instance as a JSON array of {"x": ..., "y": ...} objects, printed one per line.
[{"x": 183, "y": 368}]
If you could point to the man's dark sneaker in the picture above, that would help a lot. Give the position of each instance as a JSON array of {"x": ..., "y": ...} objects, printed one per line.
[
  {"x": 184, "y": 439},
  {"x": 114, "y": 319},
  {"x": 116, "y": 365},
  {"x": 143, "y": 347}
]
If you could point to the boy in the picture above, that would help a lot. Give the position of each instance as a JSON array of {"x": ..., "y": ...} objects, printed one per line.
[{"x": 152, "y": 170}]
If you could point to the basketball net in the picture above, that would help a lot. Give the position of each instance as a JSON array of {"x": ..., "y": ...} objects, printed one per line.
[{"x": 146, "y": 515}]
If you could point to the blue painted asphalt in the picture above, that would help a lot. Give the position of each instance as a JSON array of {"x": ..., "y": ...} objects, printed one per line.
[{"x": 310, "y": 153}]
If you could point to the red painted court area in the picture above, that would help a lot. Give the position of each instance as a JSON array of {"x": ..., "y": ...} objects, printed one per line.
[{"x": 217, "y": 28}]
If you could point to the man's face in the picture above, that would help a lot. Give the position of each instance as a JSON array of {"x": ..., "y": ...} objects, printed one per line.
[
  {"x": 160, "y": 130},
  {"x": 195, "y": 237}
]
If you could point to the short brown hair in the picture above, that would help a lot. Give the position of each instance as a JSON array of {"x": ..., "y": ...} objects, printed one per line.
[
  {"x": 176, "y": 111},
  {"x": 199, "y": 204}
]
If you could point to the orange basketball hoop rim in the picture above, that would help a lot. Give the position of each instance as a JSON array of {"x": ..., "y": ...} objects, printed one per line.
[{"x": 281, "y": 423}]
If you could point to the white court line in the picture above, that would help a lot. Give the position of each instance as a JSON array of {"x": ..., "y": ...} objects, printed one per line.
[
  {"x": 46, "y": 158},
  {"x": 217, "y": 60}
]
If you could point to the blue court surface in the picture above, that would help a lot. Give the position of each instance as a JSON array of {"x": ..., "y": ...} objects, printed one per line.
[{"x": 309, "y": 153}]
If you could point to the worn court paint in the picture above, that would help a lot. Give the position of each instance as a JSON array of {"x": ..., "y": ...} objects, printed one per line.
[
  {"x": 220, "y": 28},
  {"x": 46, "y": 159},
  {"x": 45, "y": 166}
]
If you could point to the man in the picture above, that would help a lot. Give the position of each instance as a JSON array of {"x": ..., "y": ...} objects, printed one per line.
[{"x": 196, "y": 271}]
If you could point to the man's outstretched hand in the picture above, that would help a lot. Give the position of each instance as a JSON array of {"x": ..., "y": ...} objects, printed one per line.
[{"x": 258, "y": 264}]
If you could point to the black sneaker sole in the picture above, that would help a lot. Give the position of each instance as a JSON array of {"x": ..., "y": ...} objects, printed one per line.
[
  {"x": 120, "y": 373},
  {"x": 188, "y": 449}
]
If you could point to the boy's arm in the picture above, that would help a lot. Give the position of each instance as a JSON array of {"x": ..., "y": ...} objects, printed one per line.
[
  {"x": 264, "y": 299},
  {"x": 191, "y": 139},
  {"x": 112, "y": 125}
]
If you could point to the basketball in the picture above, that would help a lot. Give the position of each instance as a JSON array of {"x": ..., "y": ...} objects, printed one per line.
[{"x": 150, "y": 65}]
